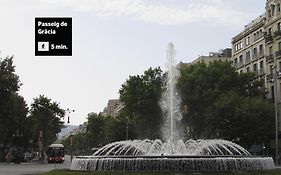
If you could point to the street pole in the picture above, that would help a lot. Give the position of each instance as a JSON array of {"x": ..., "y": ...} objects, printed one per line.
[
  {"x": 276, "y": 114},
  {"x": 71, "y": 146}
]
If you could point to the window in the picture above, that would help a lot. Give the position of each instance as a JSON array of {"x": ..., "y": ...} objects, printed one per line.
[
  {"x": 261, "y": 48},
  {"x": 247, "y": 41},
  {"x": 278, "y": 26},
  {"x": 248, "y": 55},
  {"x": 271, "y": 69},
  {"x": 278, "y": 8},
  {"x": 270, "y": 50},
  {"x": 261, "y": 64},
  {"x": 272, "y": 10},
  {"x": 255, "y": 67},
  {"x": 255, "y": 36},
  {"x": 261, "y": 52},
  {"x": 241, "y": 59},
  {"x": 255, "y": 52},
  {"x": 279, "y": 64},
  {"x": 238, "y": 46},
  {"x": 235, "y": 61},
  {"x": 269, "y": 31},
  {"x": 279, "y": 45},
  {"x": 248, "y": 69},
  {"x": 272, "y": 93}
]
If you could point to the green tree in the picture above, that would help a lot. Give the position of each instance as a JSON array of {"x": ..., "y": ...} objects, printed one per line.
[
  {"x": 13, "y": 109},
  {"x": 201, "y": 86},
  {"x": 95, "y": 128},
  {"x": 247, "y": 120},
  {"x": 45, "y": 117},
  {"x": 141, "y": 95},
  {"x": 9, "y": 80}
]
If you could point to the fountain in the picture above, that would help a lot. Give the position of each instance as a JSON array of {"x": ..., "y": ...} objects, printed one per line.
[{"x": 174, "y": 155}]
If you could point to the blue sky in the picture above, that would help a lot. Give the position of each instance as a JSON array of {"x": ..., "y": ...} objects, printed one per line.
[{"x": 113, "y": 39}]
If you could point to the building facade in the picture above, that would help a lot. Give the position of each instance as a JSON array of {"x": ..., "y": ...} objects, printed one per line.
[
  {"x": 258, "y": 49},
  {"x": 223, "y": 54},
  {"x": 113, "y": 107}
]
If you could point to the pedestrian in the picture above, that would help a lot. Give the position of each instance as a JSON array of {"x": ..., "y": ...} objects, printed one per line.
[{"x": 9, "y": 157}]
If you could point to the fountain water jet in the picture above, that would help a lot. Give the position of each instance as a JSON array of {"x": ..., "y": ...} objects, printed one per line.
[{"x": 174, "y": 155}]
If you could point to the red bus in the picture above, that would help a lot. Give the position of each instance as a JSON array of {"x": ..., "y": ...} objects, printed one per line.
[{"x": 55, "y": 153}]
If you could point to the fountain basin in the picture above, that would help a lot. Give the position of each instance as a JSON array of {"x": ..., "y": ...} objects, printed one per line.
[{"x": 173, "y": 163}]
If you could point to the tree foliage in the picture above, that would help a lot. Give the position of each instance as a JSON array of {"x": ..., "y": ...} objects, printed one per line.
[
  {"x": 13, "y": 108},
  {"x": 141, "y": 95},
  {"x": 104, "y": 129},
  {"x": 223, "y": 102},
  {"x": 45, "y": 116},
  {"x": 247, "y": 120}
]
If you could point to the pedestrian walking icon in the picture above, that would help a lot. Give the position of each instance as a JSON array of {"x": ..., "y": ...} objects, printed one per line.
[{"x": 43, "y": 46}]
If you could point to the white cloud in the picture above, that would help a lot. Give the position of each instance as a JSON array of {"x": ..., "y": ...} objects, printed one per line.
[{"x": 159, "y": 12}]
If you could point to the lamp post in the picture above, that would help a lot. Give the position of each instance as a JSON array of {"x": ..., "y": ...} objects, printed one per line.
[
  {"x": 68, "y": 112},
  {"x": 276, "y": 113}
]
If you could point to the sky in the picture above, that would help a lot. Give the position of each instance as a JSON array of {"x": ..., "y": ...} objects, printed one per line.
[{"x": 111, "y": 40}]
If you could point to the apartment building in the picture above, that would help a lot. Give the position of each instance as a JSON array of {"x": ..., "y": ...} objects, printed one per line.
[
  {"x": 248, "y": 48},
  {"x": 272, "y": 37},
  {"x": 258, "y": 49}
]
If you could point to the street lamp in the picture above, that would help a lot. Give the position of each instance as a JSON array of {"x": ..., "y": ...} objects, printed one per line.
[{"x": 68, "y": 112}]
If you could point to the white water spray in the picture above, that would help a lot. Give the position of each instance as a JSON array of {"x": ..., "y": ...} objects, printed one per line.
[{"x": 170, "y": 102}]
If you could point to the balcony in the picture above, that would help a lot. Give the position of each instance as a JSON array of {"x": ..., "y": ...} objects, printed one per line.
[
  {"x": 270, "y": 58},
  {"x": 240, "y": 64},
  {"x": 270, "y": 78},
  {"x": 278, "y": 54},
  {"x": 277, "y": 34},
  {"x": 247, "y": 60},
  {"x": 255, "y": 57},
  {"x": 261, "y": 72},
  {"x": 279, "y": 74},
  {"x": 268, "y": 38},
  {"x": 261, "y": 54}
]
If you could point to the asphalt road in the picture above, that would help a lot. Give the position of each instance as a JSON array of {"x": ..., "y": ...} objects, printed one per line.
[{"x": 31, "y": 168}]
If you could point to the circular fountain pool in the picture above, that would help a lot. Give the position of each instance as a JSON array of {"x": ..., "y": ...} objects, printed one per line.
[{"x": 153, "y": 155}]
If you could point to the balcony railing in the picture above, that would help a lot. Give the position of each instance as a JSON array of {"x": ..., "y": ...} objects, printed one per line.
[
  {"x": 270, "y": 58},
  {"x": 270, "y": 77},
  {"x": 278, "y": 54},
  {"x": 277, "y": 34},
  {"x": 255, "y": 57},
  {"x": 268, "y": 38},
  {"x": 279, "y": 74}
]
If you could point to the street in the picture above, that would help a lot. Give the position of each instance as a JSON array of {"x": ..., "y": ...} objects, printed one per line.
[{"x": 31, "y": 168}]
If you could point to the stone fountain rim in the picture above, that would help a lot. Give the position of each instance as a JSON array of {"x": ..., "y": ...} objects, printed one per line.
[{"x": 170, "y": 156}]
